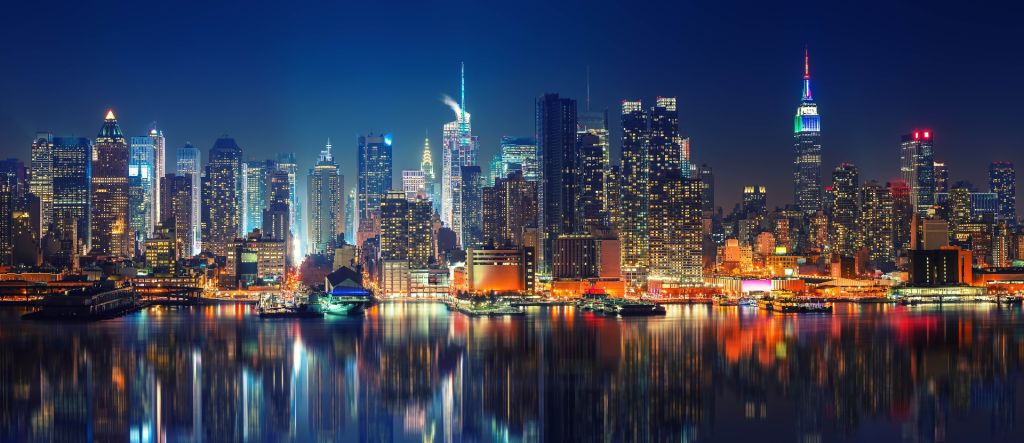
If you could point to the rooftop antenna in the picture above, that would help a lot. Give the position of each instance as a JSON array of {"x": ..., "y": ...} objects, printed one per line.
[{"x": 588, "y": 88}]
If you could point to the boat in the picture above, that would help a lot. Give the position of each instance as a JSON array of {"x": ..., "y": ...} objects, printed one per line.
[
  {"x": 724, "y": 300},
  {"x": 101, "y": 301},
  {"x": 592, "y": 299},
  {"x": 483, "y": 306},
  {"x": 271, "y": 306},
  {"x": 787, "y": 302},
  {"x": 627, "y": 308}
]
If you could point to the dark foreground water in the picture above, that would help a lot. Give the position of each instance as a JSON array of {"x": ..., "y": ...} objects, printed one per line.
[{"x": 414, "y": 372}]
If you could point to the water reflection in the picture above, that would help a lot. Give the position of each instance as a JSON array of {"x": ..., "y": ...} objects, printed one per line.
[{"x": 414, "y": 372}]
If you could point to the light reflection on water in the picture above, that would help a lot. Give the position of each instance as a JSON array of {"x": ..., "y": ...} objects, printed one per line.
[{"x": 415, "y": 372}]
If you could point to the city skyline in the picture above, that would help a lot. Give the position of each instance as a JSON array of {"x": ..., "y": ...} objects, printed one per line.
[{"x": 715, "y": 95}]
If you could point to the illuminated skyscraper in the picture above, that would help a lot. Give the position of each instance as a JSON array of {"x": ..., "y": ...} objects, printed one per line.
[
  {"x": 707, "y": 179},
  {"x": 1002, "y": 180},
  {"x": 902, "y": 215},
  {"x": 326, "y": 203},
  {"x": 41, "y": 182},
  {"x": 634, "y": 186},
  {"x": 429, "y": 179},
  {"x": 519, "y": 153},
  {"x": 110, "y": 229},
  {"x": 350, "y": 217},
  {"x": 176, "y": 205},
  {"x": 509, "y": 207},
  {"x": 414, "y": 184},
  {"x": 592, "y": 158},
  {"x": 495, "y": 169},
  {"x": 254, "y": 198},
  {"x": 676, "y": 254},
  {"x": 286, "y": 162},
  {"x": 875, "y": 224},
  {"x": 375, "y": 172},
  {"x": 72, "y": 196},
  {"x": 807, "y": 149},
  {"x": 472, "y": 214},
  {"x": 188, "y": 165},
  {"x": 142, "y": 189},
  {"x": 559, "y": 169},
  {"x": 159, "y": 166},
  {"x": 460, "y": 148},
  {"x": 917, "y": 164},
  {"x": 941, "y": 177},
  {"x": 277, "y": 211},
  {"x": 222, "y": 197},
  {"x": 405, "y": 229},
  {"x": 845, "y": 210}
]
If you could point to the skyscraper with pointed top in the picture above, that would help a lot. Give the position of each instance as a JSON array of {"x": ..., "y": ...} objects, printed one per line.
[
  {"x": 807, "y": 148},
  {"x": 460, "y": 148},
  {"x": 110, "y": 229},
  {"x": 429, "y": 178},
  {"x": 326, "y": 202}
]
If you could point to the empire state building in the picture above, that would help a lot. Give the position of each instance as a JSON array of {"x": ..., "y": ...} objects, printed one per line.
[{"x": 807, "y": 149}]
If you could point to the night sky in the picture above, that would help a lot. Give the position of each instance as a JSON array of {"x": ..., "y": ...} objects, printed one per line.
[{"x": 283, "y": 77}]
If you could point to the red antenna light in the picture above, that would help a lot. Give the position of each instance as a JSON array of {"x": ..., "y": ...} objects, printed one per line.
[
  {"x": 917, "y": 135},
  {"x": 927, "y": 134}
]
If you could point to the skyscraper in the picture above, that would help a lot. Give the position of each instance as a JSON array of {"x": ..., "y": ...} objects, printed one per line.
[
  {"x": 592, "y": 164},
  {"x": 159, "y": 166},
  {"x": 414, "y": 184},
  {"x": 509, "y": 207},
  {"x": 557, "y": 154},
  {"x": 429, "y": 179},
  {"x": 902, "y": 215},
  {"x": 807, "y": 149},
  {"x": 917, "y": 165},
  {"x": 176, "y": 206},
  {"x": 519, "y": 153},
  {"x": 286, "y": 162},
  {"x": 941, "y": 177},
  {"x": 634, "y": 185},
  {"x": 472, "y": 199},
  {"x": 707, "y": 179},
  {"x": 350, "y": 217},
  {"x": 676, "y": 254},
  {"x": 277, "y": 211},
  {"x": 845, "y": 210},
  {"x": 142, "y": 189},
  {"x": 110, "y": 229},
  {"x": 72, "y": 196},
  {"x": 375, "y": 172},
  {"x": 41, "y": 182},
  {"x": 875, "y": 224},
  {"x": 460, "y": 148},
  {"x": 254, "y": 198},
  {"x": 326, "y": 202},
  {"x": 188, "y": 166},
  {"x": 1002, "y": 180},
  {"x": 221, "y": 196},
  {"x": 405, "y": 230}
]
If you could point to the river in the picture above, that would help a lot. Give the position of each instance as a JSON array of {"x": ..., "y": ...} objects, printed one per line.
[{"x": 416, "y": 372}]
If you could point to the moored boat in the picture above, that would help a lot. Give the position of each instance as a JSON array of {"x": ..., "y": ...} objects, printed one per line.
[{"x": 101, "y": 301}]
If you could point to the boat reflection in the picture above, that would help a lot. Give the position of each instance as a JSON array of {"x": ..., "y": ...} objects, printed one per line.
[{"x": 415, "y": 372}]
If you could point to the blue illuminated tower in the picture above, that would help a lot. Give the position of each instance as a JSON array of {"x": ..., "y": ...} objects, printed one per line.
[{"x": 807, "y": 149}]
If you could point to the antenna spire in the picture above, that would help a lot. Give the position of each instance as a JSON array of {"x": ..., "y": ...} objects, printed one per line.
[
  {"x": 588, "y": 88},
  {"x": 462, "y": 89},
  {"x": 807, "y": 64}
]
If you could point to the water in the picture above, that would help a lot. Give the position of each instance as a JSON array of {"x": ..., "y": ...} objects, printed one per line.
[{"x": 414, "y": 372}]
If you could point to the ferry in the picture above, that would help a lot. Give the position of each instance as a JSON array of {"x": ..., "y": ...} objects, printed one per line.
[
  {"x": 592, "y": 299},
  {"x": 724, "y": 300},
  {"x": 787, "y": 302},
  {"x": 477, "y": 306},
  {"x": 101, "y": 301},
  {"x": 600, "y": 303},
  {"x": 271, "y": 306}
]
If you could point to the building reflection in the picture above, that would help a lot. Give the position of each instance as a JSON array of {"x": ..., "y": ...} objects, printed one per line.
[{"x": 414, "y": 372}]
